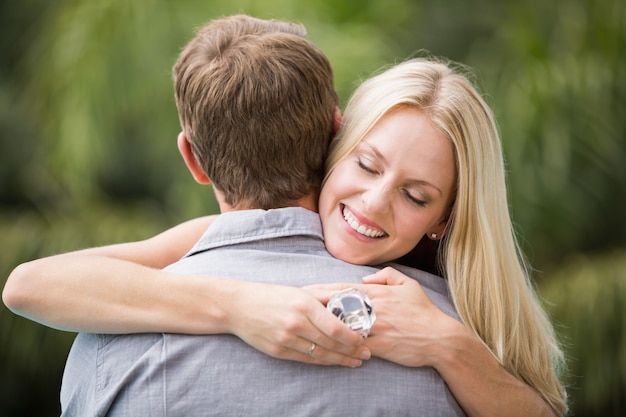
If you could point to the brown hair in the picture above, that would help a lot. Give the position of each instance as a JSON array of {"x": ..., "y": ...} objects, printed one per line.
[{"x": 256, "y": 101}]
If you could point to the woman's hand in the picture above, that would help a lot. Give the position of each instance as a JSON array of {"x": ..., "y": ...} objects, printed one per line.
[
  {"x": 407, "y": 321},
  {"x": 410, "y": 330},
  {"x": 284, "y": 322}
]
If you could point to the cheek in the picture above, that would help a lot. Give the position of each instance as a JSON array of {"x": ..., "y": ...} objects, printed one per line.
[
  {"x": 411, "y": 229},
  {"x": 337, "y": 184},
  {"x": 329, "y": 198},
  {"x": 326, "y": 197}
]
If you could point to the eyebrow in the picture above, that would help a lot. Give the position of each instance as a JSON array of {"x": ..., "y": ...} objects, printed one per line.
[{"x": 380, "y": 156}]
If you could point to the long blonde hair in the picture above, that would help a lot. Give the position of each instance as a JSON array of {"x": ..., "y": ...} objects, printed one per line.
[{"x": 479, "y": 254}]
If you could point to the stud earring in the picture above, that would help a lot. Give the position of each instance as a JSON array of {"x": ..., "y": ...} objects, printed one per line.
[{"x": 433, "y": 235}]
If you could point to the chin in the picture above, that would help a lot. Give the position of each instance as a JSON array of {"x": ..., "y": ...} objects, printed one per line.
[
  {"x": 344, "y": 253},
  {"x": 357, "y": 259}
]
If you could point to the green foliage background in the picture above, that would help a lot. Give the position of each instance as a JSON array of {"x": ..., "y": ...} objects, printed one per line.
[{"x": 88, "y": 155}]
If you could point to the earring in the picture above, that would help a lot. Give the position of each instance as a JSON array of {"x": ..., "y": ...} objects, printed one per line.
[{"x": 433, "y": 235}]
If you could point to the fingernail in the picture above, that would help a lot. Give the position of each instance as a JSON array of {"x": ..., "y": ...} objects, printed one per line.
[
  {"x": 355, "y": 363},
  {"x": 364, "y": 354}
]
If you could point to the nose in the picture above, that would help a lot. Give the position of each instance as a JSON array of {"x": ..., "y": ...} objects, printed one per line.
[{"x": 377, "y": 198}]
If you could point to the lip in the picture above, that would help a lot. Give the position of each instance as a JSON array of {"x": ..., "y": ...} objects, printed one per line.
[{"x": 363, "y": 221}]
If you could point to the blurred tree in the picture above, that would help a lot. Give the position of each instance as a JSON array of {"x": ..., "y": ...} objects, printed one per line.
[
  {"x": 19, "y": 135},
  {"x": 589, "y": 295},
  {"x": 555, "y": 73},
  {"x": 558, "y": 75}
]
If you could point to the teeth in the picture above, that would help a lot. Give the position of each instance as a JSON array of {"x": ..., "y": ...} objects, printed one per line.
[{"x": 362, "y": 229}]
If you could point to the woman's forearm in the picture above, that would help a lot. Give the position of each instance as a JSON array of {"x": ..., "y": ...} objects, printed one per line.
[
  {"x": 59, "y": 292},
  {"x": 79, "y": 292},
  {"x": 412, "y": 331},
  {"x": 105, "y": 289},
  {"x": 478, "y": 382}
]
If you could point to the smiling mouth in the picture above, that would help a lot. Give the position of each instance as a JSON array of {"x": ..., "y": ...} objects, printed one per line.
[{"x": 360, "y": 228}]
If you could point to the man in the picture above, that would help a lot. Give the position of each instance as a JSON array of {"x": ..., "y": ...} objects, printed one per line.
[{"x": 258, "y": 109}]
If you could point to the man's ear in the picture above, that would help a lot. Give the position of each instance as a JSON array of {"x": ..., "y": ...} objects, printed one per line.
[
  {"x": 184, "y": 147},
  {"x": 336, "y": 120}
]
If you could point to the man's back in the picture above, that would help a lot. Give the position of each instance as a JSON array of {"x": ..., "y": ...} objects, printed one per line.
[{"x": 180, "y": 375}]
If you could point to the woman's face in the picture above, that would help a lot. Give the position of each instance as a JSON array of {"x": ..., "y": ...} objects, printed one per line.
[{"x": 395, "y": 186}]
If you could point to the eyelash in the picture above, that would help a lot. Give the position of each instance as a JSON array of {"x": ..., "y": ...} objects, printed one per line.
[
  {"x": 412, "y": 199},
  {"x": 365, "y": 167}
]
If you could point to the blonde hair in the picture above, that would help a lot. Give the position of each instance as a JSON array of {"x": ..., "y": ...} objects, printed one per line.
[{"x": 479, "y": 254}]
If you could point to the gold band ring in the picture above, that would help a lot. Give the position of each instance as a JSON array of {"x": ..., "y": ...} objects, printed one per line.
[{"x": 311, "y": 349}]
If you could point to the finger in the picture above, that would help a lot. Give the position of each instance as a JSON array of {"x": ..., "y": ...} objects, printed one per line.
[
  {"x": 334, "y": 334},
  {"x": 322, "y": 293},
  {"x": 317, "y": 354},
  {"x": 336, "y": 342},
  {"x": 334, "y": 287},
  {"x": 310, "y": 352},
  {"x": 386, "y": 276},
  {"x": 376, "y": 278}
]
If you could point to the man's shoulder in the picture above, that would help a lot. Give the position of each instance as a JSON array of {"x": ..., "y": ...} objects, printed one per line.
[{"x": 246, "y": 226}]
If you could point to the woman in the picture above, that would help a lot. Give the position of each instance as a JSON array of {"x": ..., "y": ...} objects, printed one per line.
[
  {"x": 478, "y": 255},
  {"x": 375, "y": 207}
]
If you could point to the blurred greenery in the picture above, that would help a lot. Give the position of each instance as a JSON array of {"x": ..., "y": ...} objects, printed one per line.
[
  {"x": 587, "y": 297},
  {"x": 88, "y": 155}
]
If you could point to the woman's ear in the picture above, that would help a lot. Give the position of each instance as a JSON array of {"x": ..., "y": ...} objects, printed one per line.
[
  {"x": 184, "y": 147},
  {"x": 438, "y": 231}
]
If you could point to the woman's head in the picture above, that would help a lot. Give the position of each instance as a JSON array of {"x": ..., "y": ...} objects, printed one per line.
[{"x": 441, "y": 148}]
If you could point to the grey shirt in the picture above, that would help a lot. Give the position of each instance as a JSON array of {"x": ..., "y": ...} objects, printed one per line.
[{"x": 156, "y": 375}]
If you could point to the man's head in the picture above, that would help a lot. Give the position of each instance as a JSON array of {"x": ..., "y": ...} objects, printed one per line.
[{"x": 256, "y": 102}]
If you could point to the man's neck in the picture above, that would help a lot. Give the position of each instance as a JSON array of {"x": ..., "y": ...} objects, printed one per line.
[{"x": 308, "y": 202}]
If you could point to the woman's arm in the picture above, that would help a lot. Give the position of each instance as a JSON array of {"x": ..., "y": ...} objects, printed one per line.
[
  {"x": 411, "y": 330},
  {"x": 158, "y": 251},
  {"x": 102, "y": 290},
  {"x": 97, "y": 289}
]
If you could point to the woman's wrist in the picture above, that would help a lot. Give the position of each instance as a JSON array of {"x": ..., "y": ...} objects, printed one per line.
[
  {"x": 450, "y": 341},
  {"x": 202, "y": 304}
]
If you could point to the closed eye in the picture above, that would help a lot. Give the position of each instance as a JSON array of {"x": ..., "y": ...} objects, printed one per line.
[
  {"x": 415, "y": 200},
  {"x": 365, "y": 167}
]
